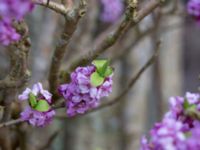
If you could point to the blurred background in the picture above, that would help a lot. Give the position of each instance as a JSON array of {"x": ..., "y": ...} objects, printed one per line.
[{"x": 120, "y": 126}]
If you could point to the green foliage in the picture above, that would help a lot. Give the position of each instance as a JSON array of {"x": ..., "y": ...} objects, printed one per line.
[
  {"x": 32, "y": 100},
  {"x": 39, "y": 105},
  {"x": 42, "y": 106},
  {"x": 96, "y": 79},
  {"x": 103, "y": 70}
]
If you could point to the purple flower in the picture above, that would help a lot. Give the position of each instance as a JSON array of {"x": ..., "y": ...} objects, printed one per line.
[
  {"x": 179, "y": 129},
  {"x": 80, "y": 95},
  {"x": 112, "y": 10},
  {"x": 144, "y": 144},
  {"x": 193, "y": 8},
  {"x": 193, "y": 140},
  {"x": 179, "y": 107},
  {"x": 36, "y": 118},
  {"x": 30, "y": 113},
  {"x": 7, "y": 33},
  {"x": 9, "y": 11},
  {"x": 167, "y": 135}
]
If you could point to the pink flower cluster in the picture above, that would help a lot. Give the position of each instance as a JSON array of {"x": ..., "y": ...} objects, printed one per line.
[
  {"x": 193, "y": 8},
  {"x": 80, "y": 95},
  {"x": 34, "y": 117},
  {"x": 12, "y": 10},
  {"x": 112, "y": 10},
  {"x": 180, "y": 127}
]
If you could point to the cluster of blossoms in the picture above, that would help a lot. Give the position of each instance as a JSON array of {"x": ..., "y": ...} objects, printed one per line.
[
  {"x": 80, "y": 94},
  {"x": 9, "y": 11},
  {"x": 193, "y": 8},
  {"x": 39, "y": 112},
  {"x": 112, "y": 10},
  {"x": 180, "y": 127},
  {"x": 88, "y": 85}
]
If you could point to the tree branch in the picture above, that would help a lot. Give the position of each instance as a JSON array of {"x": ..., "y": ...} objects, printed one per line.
[
  {"x": 9, "y": 123},
  {"x": 18, "y": 52},
  {"x": 111, "y": 102},
  {"x": 59, "y": 8},
  {"x": 71, "y": 21},
  {"x": 112, "y": 38}
]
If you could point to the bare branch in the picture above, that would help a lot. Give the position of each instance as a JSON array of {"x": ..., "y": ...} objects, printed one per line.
[
  {"x": 9, "y": 123},
  {"x": 126, "y": 90},
  {"x": 19, "y": 73},
  {"x": 71, "y": 21},
  {"x": 59, "y": 8},
  {"x": 111, "y": 38},
  {"x": 111, "y": 102},
  {"x": 106, "y": 43}
]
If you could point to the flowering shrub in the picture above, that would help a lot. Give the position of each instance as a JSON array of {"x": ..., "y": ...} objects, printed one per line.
[
  {"x": 39, "y": 112},
  {"x": 180, "y": 127},
  {"x": 88, "y": 85},
  {"x": 84, "y": 92}
]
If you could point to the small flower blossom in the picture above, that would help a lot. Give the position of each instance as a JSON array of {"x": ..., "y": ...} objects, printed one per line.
[
  {"x": 9, "y": 11},
  {"x": 80, "y": 94},
  {"x": 112, "y": 10},
  {"x": 180, "y": 127},
  {"x": 179, "y": 107},
  {"x": 193, "y": 8},
  {"x": 30, "y": 113},
  {"x": 193, "y": 140},
  {"x": 7, "y": 33}
]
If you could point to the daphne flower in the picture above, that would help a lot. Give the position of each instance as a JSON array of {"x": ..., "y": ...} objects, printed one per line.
[
  {"x": 80, "y": 94},
  {"x": 112, "y": 10},
  {"x": 193, "y": 8},
  {"x": 184, "y": 109},
  {"x": 9, "y": 11},
  {"x": 7, "y": 33},
  {"x": 39, "y": 112},
  {"x": 180, "y": 127}
]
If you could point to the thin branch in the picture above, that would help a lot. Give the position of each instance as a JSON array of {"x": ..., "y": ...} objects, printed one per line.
[
  {"x": 9, "y": 123},
  {"x": 59, "y": 8},
  {"x": 126, "y": 90},
  {"x": 111, "y": 102},
  {"x": 19, "y": 73},
  {"x": 108, "y": 42},
  {"x": 70, "y": 26},
  {"x": 128, "y": 48},
  {"x": 112, "y": 38}
]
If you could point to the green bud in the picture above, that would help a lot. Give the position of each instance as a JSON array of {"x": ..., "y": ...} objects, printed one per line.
[
  {"x": 42, "y": 106},
  {"x": 32, "y": 100}
]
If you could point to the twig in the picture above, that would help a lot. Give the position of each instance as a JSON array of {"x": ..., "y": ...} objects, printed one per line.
[
  {"x": 59, "y": 8},
  {"x": 128, "y": 48},
  {"x": 9, "y": 123},
  {"x": 19, "y": 73},
  {"x": 111, "y": 38},
  {"x": 126, "y": 90},
  {"x": 131, "y": 83},
  {"x": 111, "y": 102},
  {"x": 108, "y": 42},
  {"x": 71, "y": 21}
]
